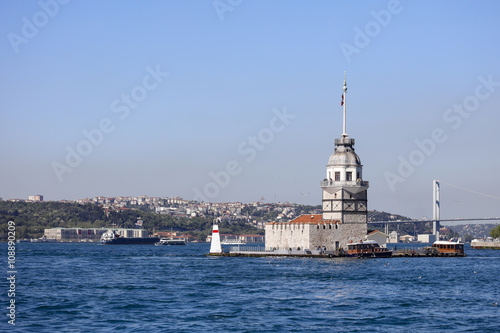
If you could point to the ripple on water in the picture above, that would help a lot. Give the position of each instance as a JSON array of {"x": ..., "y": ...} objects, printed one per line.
[{"x": 89, "y": 288}]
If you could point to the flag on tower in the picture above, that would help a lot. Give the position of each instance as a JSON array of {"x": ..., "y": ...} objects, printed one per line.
[{"x": 342, "y": 102}]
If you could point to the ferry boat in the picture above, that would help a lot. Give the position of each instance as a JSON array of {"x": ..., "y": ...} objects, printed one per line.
[
  {"x": 367, "y": 249},
  {"x": 110, "y": 237},
  {"x": 171, "y": 241},
  {"x": 447, "y": 248}
]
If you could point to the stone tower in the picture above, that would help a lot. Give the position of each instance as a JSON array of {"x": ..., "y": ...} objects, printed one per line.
[
  {"x": 344, "y": 216},
  {"x": 344, "y": 190}
]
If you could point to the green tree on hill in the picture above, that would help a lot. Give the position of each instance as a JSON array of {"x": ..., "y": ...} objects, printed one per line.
[{"x": 495, "y": 232}]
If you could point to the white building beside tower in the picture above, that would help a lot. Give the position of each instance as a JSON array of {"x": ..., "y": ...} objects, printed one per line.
[{"x": 344, "y": 203}]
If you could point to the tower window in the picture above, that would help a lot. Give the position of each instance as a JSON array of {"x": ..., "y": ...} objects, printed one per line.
[
  {"x": 357, "y": 176},
  {"x": 337, "y": 175},
  {"x": 348, "y": 175}
]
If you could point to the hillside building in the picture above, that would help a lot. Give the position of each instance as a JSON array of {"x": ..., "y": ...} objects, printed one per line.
[{"x": 35, "y": 198}]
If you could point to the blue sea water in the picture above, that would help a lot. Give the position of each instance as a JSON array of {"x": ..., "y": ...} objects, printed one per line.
[{"x": 78, "y": 287}]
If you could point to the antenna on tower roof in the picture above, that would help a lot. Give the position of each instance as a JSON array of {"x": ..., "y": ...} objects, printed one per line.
[{"x": 344, "y": 134}]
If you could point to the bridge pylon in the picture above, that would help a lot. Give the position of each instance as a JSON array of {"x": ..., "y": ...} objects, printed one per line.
[{"x": 436, "y": 205}]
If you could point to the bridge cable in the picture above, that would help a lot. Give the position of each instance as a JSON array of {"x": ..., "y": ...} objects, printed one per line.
[{"x": 472, "y": 191}]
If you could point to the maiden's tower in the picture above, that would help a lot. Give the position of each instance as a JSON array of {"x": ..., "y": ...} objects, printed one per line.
[{"x": 344, "y": 216}]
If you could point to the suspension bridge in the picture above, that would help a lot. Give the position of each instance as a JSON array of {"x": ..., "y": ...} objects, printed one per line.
[{"x": 436, "y": 220}]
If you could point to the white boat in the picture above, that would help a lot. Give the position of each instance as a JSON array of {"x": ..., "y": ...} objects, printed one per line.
[
  {"x": 171, "y": 241},
  {"x": 232, "y": 242},
  {"x": 43, "y": 239}
]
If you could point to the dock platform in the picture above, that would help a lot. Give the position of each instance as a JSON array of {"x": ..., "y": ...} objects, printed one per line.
[{"x": 260, "y": 251}]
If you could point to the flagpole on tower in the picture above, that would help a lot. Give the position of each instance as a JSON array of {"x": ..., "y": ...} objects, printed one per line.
[{"x": 343, "y": 103}]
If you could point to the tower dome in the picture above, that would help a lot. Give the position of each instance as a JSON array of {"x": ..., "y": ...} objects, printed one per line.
[
  {"x": 344, "y": 164},
  {"x": 344, "y": 155}
]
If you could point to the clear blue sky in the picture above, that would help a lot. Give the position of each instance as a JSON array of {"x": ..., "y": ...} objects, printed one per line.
[{"x": 69, "y": 68}]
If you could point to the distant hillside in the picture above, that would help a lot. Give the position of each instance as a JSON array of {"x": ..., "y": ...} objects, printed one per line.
[
  {"x": 474, "y": 230},
  {"x": 32, "y": 218},
  {"x": 375, "y": 215},
  {"x": 402, "y": 228}
]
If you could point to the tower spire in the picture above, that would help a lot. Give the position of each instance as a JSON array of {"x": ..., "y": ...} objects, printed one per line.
[{"x": 344, "y": 134}]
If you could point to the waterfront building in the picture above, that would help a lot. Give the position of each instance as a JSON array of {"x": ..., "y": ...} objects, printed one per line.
[
  {"x": 426, "y": 238},
  {"x": 393, "y": 237},
  {"x": 379, "y": 237},
  {"x": 89, "y": 234},
  {"x": 344, "y": 211},
  {"x": 407, "y": 239}
]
